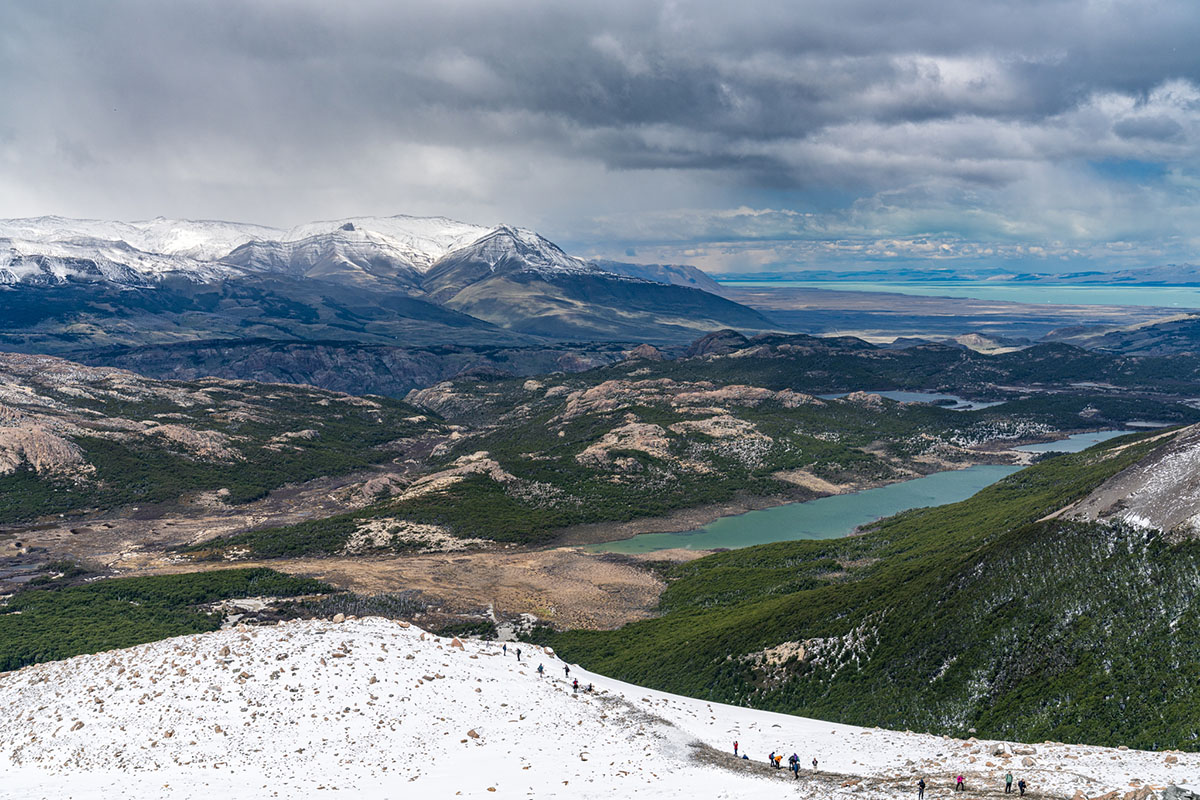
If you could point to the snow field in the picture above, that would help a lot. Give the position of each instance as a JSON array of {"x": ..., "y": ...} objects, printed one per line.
[{"x": 376, "y": 709}]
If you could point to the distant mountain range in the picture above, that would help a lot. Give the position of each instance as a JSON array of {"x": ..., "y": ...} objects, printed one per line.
[
  {"x": 1166, "y": 275},
  {"x": 86, "y": 286}
]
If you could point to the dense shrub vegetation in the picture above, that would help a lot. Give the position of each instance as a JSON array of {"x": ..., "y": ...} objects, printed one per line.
[
  {"x": 48, "y": 624},
  {"x": 972, "y": 615}
]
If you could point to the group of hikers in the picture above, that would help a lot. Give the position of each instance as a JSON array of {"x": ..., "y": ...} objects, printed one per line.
[
  {"x": 541, "y": 670},
  {"x": 960, "y": 786},
  {"x": 776, "y": 760}
]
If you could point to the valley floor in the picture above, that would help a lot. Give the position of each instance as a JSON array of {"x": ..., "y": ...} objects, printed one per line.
[
  {"x": 372, "y": 708},
  {"x": 562, "y": 583}
]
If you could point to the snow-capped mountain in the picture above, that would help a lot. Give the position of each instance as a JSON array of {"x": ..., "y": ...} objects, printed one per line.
[
  {"x": 48, "y": 250},
  {"x": 196, "y": 279}
]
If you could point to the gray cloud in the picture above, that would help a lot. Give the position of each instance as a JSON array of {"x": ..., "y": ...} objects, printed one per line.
[{"x": 975, "y": 125}]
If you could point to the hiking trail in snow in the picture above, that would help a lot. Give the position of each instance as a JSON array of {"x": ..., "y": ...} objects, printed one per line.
[{"x": 375, "y": 709}]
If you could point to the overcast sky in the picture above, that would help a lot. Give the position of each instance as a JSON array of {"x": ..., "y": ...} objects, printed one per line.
[{"x": 733, "y": 135}]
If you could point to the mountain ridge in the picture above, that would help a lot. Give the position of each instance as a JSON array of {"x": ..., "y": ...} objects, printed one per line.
[{"x": 396, "y": 280}]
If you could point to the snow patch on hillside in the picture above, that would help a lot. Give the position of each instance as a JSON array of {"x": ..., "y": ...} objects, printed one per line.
[{"x": 377, "y": 709}]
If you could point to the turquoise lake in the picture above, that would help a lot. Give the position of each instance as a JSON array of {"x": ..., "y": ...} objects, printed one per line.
[
  {"x": 839, "y": 515},
  {"x": 1160, "y": 296}
]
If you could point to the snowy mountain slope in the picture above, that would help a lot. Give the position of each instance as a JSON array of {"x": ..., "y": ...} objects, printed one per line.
[
  {"x": 356, "y": 255},
  {"x": 503, "y": 251},
  {"x": 382, "y": 710},
  {"x": 1162, "y": 491},
  {"x": 421, "y": 240},
  {"x": 203, "y": 240},
  {"x": 91, "y": 260}
]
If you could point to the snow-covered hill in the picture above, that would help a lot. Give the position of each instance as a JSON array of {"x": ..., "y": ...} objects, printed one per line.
[{"x": 373, "y": 708}]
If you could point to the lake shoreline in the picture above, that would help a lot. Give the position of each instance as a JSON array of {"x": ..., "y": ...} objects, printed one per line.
[{"x": 696, "y": 521}]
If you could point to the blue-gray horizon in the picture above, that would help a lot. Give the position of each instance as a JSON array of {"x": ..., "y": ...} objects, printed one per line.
[{"x": 761, "y": 136}]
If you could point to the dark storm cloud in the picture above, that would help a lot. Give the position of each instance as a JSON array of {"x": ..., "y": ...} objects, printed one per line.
[{"x": 970, "y": 119}]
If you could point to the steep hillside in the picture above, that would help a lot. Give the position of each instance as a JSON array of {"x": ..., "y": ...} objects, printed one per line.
[
  {"x": 1161, "y": 492},
  {"x": 75, "y": 318},
  {"x": 980, "y": 615},
  {"x": 377, "y": 709}
]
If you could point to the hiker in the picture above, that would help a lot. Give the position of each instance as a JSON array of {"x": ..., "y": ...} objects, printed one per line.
[
  {"x": 588, "y": 689},
  {"x": 566, "y": 671},
  {"x": 745, "y": 757},
  {"x": 921, "y": 789},
  {"x": 735, "y": 747},
  {"x": 504, "y": 647},
  {"x": 541, "y": 670},
  {"x": 771, "y": 758},
  {"x": 1008, "y": 783},
  {"x": 814, "y": 765},
  {"x": 778, "y": 762},
  {"x": 1021, "y": 786},
  {"x": 958, "y": 784},
  {"x": 575, "y": 685},
  {"x": 795, "y": 763},
  {"x": 518, "y": 654}
]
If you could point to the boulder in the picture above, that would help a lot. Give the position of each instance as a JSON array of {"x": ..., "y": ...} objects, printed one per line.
[
  {"x": 1027, "y": 762},
  {"x": 1180, "y": 793},
  {"x": 1142, "y": 793}
]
